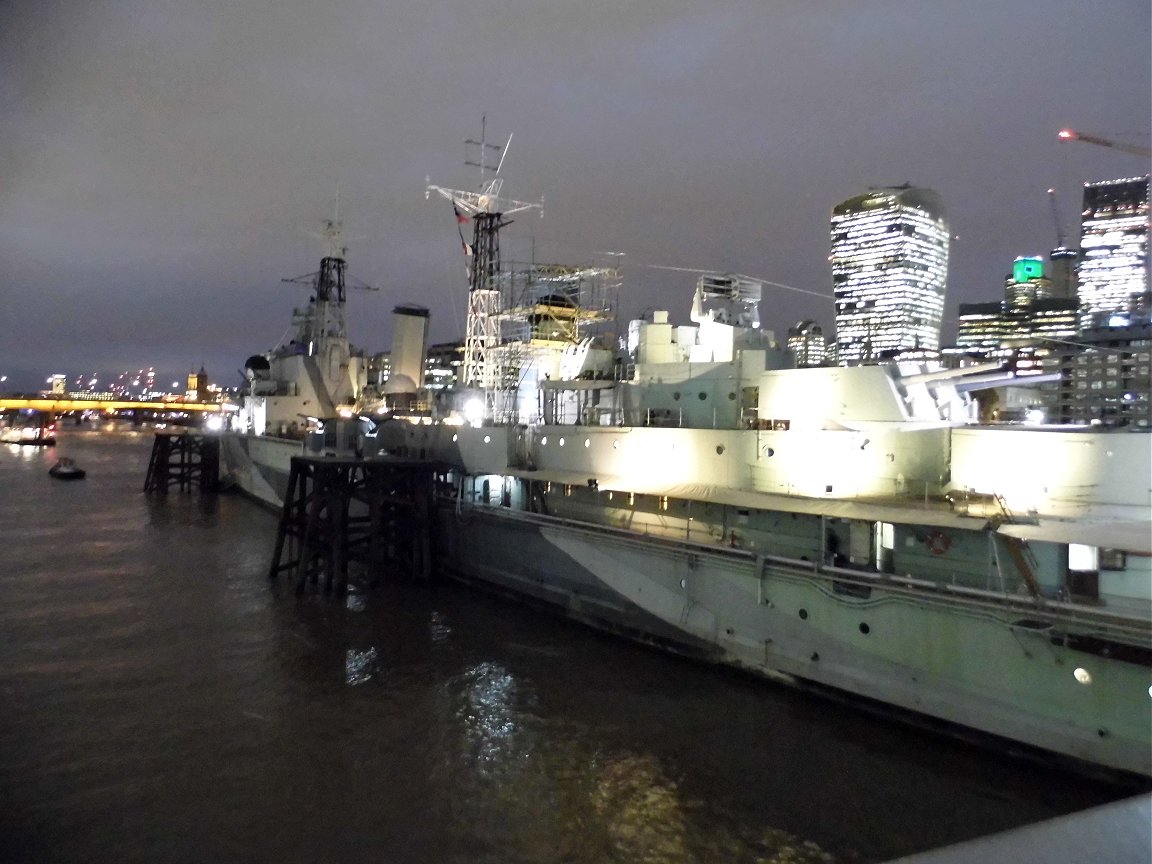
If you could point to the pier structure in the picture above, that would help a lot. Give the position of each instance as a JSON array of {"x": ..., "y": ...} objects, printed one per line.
[
  {"x": 338, "y": 510},
  {"x": 184, "y": 459}
]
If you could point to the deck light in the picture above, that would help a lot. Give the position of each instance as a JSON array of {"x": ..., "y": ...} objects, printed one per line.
[{"x": 474, "y": 411}]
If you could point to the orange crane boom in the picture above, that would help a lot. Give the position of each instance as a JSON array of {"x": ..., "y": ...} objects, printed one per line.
[{"x": 1073, "y": 135}]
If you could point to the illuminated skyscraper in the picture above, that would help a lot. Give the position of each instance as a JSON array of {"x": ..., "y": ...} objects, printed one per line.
[
  {"x": 1027, "y": 283},
  {"x": 1062, "y": 271},
  {"x": 1113, "y": 271},
  {"x": 806, "y": 342},
  {"x": 889, "y": 269},
  {"x": 1028, "y": 314}
]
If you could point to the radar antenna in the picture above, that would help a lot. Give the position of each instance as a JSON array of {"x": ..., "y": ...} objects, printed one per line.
[{"x": 486, "y": 209}]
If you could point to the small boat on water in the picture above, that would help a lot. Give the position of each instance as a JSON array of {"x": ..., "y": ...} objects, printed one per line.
[{"x": 66, "y": 469}]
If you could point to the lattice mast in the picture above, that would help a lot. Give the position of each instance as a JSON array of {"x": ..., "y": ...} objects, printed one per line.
[
  {"x": 486, "y": 209},
  {"x": 322, "y": 323}
]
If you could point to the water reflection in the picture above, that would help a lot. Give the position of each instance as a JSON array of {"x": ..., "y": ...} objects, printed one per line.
[
  {"x": 543, "y": 788},
  {"x": 359, "y": 666},
  {"x": 488, "y": 718},
  {"x": 438, "y": 627}
]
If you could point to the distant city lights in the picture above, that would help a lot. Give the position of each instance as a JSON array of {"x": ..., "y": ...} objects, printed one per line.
[{"x": 129, "y": 385}]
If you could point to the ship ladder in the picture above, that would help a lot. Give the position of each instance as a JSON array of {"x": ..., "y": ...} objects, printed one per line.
[
  {"x": 1025, "y": 562},
  {"x": 1021, "y": 552}
]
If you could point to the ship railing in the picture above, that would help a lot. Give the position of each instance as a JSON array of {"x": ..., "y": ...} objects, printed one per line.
[{"x": 1051, "y": 613}]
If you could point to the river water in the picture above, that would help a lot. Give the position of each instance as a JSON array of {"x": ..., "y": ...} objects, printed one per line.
[{"x": 162, "y": 701}]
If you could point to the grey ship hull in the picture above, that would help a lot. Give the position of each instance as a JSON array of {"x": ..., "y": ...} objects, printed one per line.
[{"x": 994, "y": 666}]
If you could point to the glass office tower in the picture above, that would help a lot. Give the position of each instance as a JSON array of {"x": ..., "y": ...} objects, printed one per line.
[
  {"x": 889, "y": 269},
  {"x": 1113, "y": 270}
]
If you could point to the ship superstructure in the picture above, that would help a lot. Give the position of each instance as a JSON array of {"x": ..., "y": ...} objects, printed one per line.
[{"x": 315, "y": 373}]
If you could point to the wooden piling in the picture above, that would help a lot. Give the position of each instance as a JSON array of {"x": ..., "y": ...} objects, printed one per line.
[
  {"x": 183, "y": 459},
  {"x": 375, "y": 512}
]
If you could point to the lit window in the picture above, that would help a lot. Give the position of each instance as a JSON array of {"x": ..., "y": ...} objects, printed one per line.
[{"x": 1083, "y": 558}]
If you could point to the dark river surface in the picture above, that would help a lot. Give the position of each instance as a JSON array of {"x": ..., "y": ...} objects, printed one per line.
[{"x": 161, "y": 701}]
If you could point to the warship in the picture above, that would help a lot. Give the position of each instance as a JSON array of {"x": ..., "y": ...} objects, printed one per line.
[{"x": 852, "y": 530}]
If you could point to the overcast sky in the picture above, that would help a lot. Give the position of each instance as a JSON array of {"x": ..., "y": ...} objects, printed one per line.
[{"x": 161, "y": 161}]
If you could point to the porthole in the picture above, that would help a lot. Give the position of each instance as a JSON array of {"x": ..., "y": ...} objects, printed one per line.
[
  {"x": 455, "y": 437},
  {"x": 703, "y": 396},
  {"x": 803, "y": 614},
  {"x": 1082, "y": 675},
  {"x": 615, "y": 445},
  {"x": 587, "y": 442},
  {"x": 769, "y": 452},
  {"x": 487, "y": 439},
  {"x": 731, "y": 397},
  {"x": 544, "y": 441},
  {"x": 864, "y": 628},
  {"x": 676, "y": 395},
  {"x": 561, "y": 442},
  {"x": 719, "y": 449}
]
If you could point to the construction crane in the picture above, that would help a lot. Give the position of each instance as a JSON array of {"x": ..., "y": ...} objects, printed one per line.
[
  {"x": 1056, "y": 219},
  {"x": 1073, "y": 135},
  {"x": 1061, "y": 268}
]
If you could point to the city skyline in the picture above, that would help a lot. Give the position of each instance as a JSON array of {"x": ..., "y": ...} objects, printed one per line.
[
  {"x": 984, "y": 323},
  {"x": 164, "y": 165}
]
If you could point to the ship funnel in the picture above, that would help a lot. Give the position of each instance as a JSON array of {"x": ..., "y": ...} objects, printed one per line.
[{"x": 409, "y": 346}]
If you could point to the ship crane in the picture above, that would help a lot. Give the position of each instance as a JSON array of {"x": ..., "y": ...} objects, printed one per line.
[
  {"x": 1073, "y": 135},
  {"x": 487, "y": 209}
]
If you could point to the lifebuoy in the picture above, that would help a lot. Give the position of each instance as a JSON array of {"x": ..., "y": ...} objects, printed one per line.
[{"x": 938, "y": 542}]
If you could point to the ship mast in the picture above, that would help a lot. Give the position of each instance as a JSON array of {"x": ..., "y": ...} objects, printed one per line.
[
  {"x": 486, "y": 209},
  {"x": 322, "y": 322}
]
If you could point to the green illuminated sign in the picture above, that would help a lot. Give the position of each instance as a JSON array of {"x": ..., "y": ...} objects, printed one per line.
[{"x": 1027, "y": 269}]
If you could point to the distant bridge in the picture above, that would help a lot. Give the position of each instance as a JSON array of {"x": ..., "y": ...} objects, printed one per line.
[{"x": 67, "y": 403}]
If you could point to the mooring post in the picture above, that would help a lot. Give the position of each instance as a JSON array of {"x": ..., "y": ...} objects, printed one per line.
[
  {"x": 184, "y": 459},
  {"x": 288, "y": 519},
  {"x": 339, "y": 510}
]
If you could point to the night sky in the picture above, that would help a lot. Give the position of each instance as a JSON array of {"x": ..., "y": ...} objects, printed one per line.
[{"x": 162, "y": 161}]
